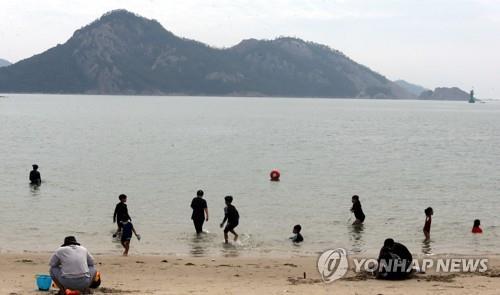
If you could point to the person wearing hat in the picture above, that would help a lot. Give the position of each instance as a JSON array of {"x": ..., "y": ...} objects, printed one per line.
[
  {"x": 35, "y": 177},
  {"x": 72, "y": 267}
]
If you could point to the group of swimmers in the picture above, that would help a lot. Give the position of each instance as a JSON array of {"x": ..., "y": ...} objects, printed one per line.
[
  {"x": 360, "y": 218},
  {"x": 125, "y": 228}
]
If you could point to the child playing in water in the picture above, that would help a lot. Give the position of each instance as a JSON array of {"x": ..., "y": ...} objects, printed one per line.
[
  {"x": 428, "y": 220},
  {"x": 357, "y": 210},
  {"x": 297, "y": 238},
  {"x": 232, "y": 217},
  {"x": 476, "y": 229},
  {"x": 120, "y": 214},
  {"x": 127, "y": 230}
]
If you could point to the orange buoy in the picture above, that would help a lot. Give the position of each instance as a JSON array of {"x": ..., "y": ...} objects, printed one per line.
[{"x": 275, "y": 175}]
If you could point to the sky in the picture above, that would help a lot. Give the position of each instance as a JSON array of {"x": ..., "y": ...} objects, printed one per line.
[{"x": 432, "y": 43}]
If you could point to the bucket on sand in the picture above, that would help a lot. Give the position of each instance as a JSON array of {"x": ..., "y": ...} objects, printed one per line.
[{"x": 43, "y": 282}]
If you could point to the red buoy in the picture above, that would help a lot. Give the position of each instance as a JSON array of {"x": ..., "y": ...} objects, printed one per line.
[{"x": 275, "y": 175}]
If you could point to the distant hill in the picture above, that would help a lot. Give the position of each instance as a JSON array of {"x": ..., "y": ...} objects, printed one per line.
[
  {"x": 4, "y": 63},
  {"x": 444, "y": 93},
  {"x": 123, "y": 53},
  {"x": 412, "y": 88}
]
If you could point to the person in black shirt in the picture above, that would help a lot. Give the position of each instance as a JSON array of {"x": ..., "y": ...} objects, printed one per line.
[
  {"x": 127, "y": 230},
  {"x": 121, "y": 213},
  {"x": 232, "y": 217},
  {"x": 35, "y": 177},
  {"x": 394, "y": 261},
  {"x": 297, "y": 238},
  {"x": 357, "y": 210},
  {"x": 200, "y": 211}
]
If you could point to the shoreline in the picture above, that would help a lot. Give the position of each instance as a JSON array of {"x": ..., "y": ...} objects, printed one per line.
[{"x": 158, "y": 274}]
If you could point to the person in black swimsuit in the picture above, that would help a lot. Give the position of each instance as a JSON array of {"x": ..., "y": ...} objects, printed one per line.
[
  {"x": 35, "y": 178},
  {"x": 200, "y": 211},
  {"x": 297, "y": 237},
  {"x": 121, "y": 214},
  {"x": 357, "y": 210},
  {"x": 232, "y": 217}
]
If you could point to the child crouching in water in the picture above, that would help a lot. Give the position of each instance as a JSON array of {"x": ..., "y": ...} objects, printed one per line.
[
  {"x": 476, "y": 229},
  {"x": 127, "y": 230},
  {"x": 357, "y": 210},
  {"x": 297, "y": 238}
]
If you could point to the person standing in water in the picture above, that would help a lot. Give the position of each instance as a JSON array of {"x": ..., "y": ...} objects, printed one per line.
[
  {"x": 232, "y": 217},
  {"x": 357, "y": 210},
  {"x": 127, "y": 230},
  {"x": 428, "y": 220},
  {"x": 35, "y": 177},
  {"x": 476, "y": 228},
  {"x": 200, "y": 211},
  {"x": 121, "y": 214}
]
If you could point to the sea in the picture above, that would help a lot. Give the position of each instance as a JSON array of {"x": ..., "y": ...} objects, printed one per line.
[{"x": 399, "y": 156}]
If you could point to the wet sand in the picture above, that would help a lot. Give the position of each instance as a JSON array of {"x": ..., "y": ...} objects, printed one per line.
[{"x": 221, "y": 275}]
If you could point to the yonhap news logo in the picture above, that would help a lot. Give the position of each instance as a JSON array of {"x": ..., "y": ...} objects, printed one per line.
[{"x": 333, "y": 264}]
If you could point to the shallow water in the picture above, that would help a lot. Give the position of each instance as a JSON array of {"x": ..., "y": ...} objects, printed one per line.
[{"x": 399, "y": 156}]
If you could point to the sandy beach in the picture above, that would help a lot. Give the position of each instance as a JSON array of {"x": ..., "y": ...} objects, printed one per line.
[{"x": 224, "y": 275}]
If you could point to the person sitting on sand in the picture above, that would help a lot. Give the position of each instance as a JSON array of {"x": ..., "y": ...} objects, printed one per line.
[
  {"x": 357, "y": 210},
  {"x": 428, "y": 220},
  {"x": 394, "y": 261},
  {"x": 200, "y": 211},
  {"x": 35, "y": 178},
  {"x": 297, "y": 237},
  {"x": 72, "y": 267},
  {"x": 127, "y": 230},
  {"x": 232, "y": 217},
  {"x": 120, "y": 214},
  {"x": 476, "y": 228}
]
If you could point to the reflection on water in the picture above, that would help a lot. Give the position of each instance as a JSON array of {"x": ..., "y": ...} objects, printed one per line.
[
  {"x": 35, "y": 189},
  {"x": 356, "y": 238},
  {"x": 426, "y": 247},
  {"x": 198, "y": 244}
]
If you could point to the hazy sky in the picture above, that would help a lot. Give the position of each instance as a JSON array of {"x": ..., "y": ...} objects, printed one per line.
[{"x": 428, "y": 42}]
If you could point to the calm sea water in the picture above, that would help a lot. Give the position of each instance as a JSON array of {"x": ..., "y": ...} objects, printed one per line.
[{"x": 399, "y": 156}]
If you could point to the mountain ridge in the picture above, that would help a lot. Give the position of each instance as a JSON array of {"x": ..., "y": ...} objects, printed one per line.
[
  {"x": 124, "y": 53},
  {"x": 4, "y": 62}
]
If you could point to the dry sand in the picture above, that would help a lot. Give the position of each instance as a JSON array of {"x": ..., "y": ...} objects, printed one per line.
[{"x": 224, "y": 275}]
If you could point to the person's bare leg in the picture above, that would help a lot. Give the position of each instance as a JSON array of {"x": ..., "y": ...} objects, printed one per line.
[
  {"x": 427, "y": 235},
  {"x": 226, "y": 237},
  {"x": 126, "y": 245},
  {"x": 235, "y": 235}
]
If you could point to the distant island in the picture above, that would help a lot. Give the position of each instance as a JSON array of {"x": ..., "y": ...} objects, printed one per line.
[
  {"x": 444, "y": 93},
  {"x": 124, "y": 53},
  {"x": 4, "y": 62}
]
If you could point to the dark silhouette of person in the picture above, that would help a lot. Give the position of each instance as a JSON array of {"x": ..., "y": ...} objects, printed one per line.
[
  {"x": 200, "y": 211},
  {"x": 35, "y": 177},
  {"x": 394, "y": 261},
  {"x": 121, "y": 214}
]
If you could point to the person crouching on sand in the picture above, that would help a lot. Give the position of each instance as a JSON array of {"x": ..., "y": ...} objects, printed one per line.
[
  {"x": 232, "y": 217},
  {"x": 476, "y": 229},
  {"x": 357, "y": 210},
  {"x": 127, "y": 230},
  {"x": 72, "y": 267},
  {"x": 428, "y": 220}
]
